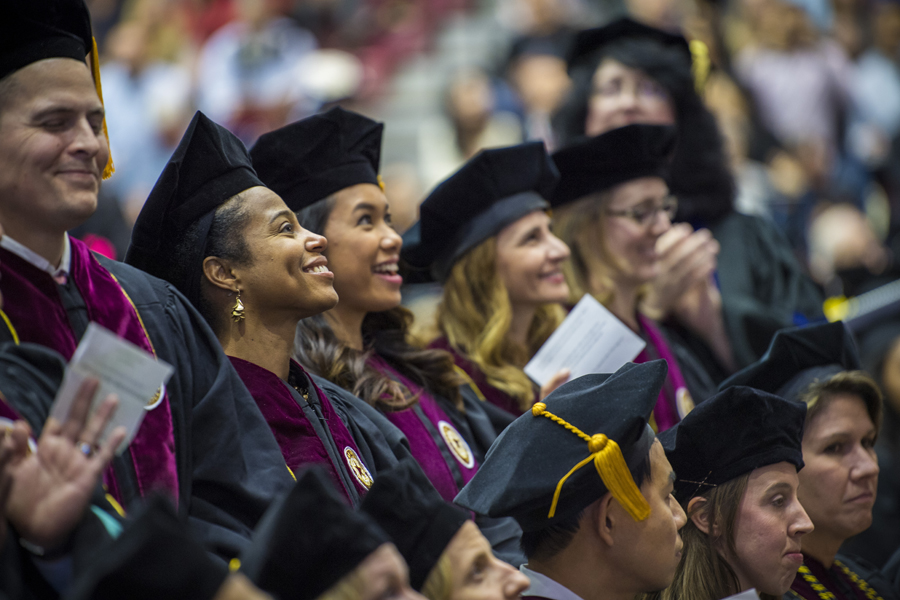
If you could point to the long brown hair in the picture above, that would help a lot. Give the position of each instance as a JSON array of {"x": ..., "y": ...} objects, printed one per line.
[
  {"x": 475, "y": 316},
  {"x": 704, "y": 572},
  {"x": 384, "y": 333}
]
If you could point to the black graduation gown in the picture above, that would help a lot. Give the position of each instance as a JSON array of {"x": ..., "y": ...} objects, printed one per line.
[
  {"x": 763, "y": 287},
  {"x": 228, "y": 464}
]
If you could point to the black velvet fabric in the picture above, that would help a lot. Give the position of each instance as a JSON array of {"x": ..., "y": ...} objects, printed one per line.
[
  {"x": 522, "y": 469},
  {"x": 39, "y": 29},
  {"x": 732, "y": 433},
  {"x": 308, "y": 160},
  {"x": 604, "y": 161},
  {"x": 419, "y": 522},
  {"x": 309, "y": 540},
  {"x": 493, "y": 189}
]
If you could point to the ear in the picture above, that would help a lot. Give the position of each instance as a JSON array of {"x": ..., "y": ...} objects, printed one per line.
[
  {"x": 219, "y": 273},
  {"x": 606, "y": 520},
  {"x": 697, "y": 509}
]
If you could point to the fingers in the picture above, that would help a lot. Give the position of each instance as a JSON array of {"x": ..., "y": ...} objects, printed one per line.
[
  {"x": 91, "y": 432},
  {"x": 18, "y": 439},
  {"x": 103, "y": 456},
  {"x": 557, "y": 380},
  {"x": 78, "y": 413}
]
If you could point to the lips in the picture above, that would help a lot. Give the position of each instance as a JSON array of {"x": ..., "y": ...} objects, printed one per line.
[
  {"x": 317, "y": 266},
  {"x": 386, "y": 268}
]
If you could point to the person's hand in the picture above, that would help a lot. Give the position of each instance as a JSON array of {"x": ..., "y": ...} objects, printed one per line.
[
  {"x": 687, "y": 258},
  {"x": 554, "y": 382},
  {"x": 51, "y": 488}
]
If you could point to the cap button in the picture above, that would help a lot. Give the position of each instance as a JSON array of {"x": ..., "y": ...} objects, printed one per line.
[{"x": 598, "y": 442}]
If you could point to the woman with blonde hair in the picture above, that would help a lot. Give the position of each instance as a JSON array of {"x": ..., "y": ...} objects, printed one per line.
[
  {"x": 612, "y": 205},
  {"x": 485, "y": 234}
]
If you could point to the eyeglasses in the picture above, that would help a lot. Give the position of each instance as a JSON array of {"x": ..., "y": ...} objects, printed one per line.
[{"x": 645, "y": 214}]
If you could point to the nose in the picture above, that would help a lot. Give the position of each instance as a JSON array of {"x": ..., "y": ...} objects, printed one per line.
[
  {"x": 86, "y": 141},
  {"x": 391, "y": 240},
  {"x": 801, "y": 524},
  {"x": 866, "y": 464},
  {"x": 315, "y": 242},
  {"x": 661, "y": 223},
  {"x": 678, "y": 513},
  {"x": 515, "y": 582},
  {"x": 558, "y": 249}
]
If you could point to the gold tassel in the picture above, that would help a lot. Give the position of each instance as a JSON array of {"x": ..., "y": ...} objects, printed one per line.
[
  {"x": 610, "y": 465},
  {"x": 700, "y": 64},
  {"x": 237, "y": 313},
  {"x": 109, "y": 168}
]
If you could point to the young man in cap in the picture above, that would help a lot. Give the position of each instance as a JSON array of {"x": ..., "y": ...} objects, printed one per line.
[
  {"x": 591, "y": 488},
  {"x": 203, "y": 440}
]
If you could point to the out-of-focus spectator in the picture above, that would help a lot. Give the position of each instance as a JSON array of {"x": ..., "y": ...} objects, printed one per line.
[
  {"x": 536, "y": 71},
  {"x": 876, "y": 90},
  {"x": 845, "y": 256},
  {"x": 470, "y": 123},
  {"x": 799, "y": 81},
  {"x": 148, "y": 105},
  {"x": 246, "y": 70}
]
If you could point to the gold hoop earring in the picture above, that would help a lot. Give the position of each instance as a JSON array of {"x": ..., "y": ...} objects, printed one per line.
[{"x": 237, "y": 312}]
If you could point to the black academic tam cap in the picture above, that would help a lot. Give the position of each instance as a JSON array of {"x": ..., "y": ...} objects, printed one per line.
[
  {"x": 601, "y": 162},
  {"x": 730, "y": 434},
  {"x": 154, "y": 557},
  {"x": 309, "y": 540},
  {"x": 589, "y": 41},
  {"x": 798, "y": 357},
  {"x": 420, "y": 523},
  {"x": 525, "y": 472},
  {"x": 493, "y": 189},
  {"x": 209, "y": 166},
  {"x": 308, "y": 160},
  {"x": 37, "y": 29}
]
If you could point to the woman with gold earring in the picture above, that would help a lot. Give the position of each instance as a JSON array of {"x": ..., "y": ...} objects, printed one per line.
[{"x": 239, "y": 254}]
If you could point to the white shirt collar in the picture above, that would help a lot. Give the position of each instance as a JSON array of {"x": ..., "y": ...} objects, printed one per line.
[
  {"x": 37, "y": 260},
  {"x": 543, "y": 586}
]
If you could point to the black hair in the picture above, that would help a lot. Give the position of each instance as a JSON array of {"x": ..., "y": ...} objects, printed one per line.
[
  {"x": 546, "y": 543},
  {"x": 224, "y": 240},
  {"x": 700, "y": 173}
]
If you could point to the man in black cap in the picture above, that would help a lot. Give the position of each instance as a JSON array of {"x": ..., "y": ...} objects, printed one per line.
[
  {"x": 591, "y": 488},
  {"x": 203, "y": 441}
]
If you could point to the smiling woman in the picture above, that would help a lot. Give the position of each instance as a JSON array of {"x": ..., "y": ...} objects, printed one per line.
[{"x": 485, "y": 234}]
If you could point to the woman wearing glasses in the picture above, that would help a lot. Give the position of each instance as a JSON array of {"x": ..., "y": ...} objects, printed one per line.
[{"x": 612, "y": 205}]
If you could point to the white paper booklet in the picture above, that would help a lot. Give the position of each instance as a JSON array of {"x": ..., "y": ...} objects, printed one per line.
[
  {"x": 133, "y": 374},
  {"x": 590, "y": 340}
]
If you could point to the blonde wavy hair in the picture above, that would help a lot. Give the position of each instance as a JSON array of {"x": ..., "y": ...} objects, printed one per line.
[
  {"x": 475, "y": 315},
  {"x": 579, "y": 225}
]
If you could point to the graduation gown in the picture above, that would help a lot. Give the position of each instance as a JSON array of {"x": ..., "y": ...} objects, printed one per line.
[
  {"x": 218, "y": 456},
  {"x": 449, "y": 444},
  {"x": 763, "y": 287},
  {"x": 307, "y": 427},
  {"x": 840, "y": 583}
]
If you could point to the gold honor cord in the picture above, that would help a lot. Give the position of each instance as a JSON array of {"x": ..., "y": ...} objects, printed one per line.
[
  {"x": 700, "y": 64},
  {"x": 109, "y": 168},
  {"x": 823, "y": 592},
  {"x": 610, "y": 465}
]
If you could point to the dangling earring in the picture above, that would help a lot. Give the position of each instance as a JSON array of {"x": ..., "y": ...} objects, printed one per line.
[{"x": 237, "y": 312}]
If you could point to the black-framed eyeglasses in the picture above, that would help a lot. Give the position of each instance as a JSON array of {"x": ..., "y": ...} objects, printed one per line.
[{"x": 645, "y": 214}]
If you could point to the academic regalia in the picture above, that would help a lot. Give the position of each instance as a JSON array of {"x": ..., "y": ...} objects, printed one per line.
[
  {"x": 848, "y": 578},
  {"x": 305, "y": 162},
  {"x": 598, "y": 164},
  {"x": 734, "y": 432},
  {"x": 154, "y": 557},
  {"x": 419, "y": 522},
  {"x": 309, "y": 540},
  {"x": 544, "y": 588},
  {"x": 494, "y": 189},
  {"x": 210, "y": 166},
  {"x": 497, "y": 397}
]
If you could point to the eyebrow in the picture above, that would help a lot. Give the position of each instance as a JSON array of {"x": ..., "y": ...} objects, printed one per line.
[
  {"x": 368, "y": 206},
  {"x": 281, "y": 213},
  {"x": 781, "y": 485},
  {"x": 52, "y": 110}
]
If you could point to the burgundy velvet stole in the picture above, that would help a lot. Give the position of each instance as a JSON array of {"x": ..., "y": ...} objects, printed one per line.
[
  {"x": 7, "y": 411},
  {"x": 422, "y": 442},
  {"x": 534, "y": 598},
  {"x": 300, "y": 444},
  {"x": 490, "y": 393},
  {"x": 34, "y": 307},
  {"x": 666, "y": 412},
  {"x": 833, "y": 579}
]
